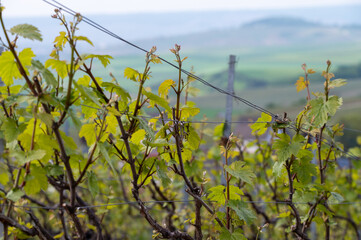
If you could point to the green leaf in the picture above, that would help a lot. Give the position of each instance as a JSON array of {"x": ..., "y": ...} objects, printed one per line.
[
  {"x": 131, "y": 74},
  {"x": 24, "y": 157},
  {"x": 154, "y": 99},
  {"x": 83, "y": 38},
  {"x": 305, "y": 155},
  {"x": 8, "y": 66},
  {"x": 110, "y": 87},
  {"x": 164, "y": 87},
  {"x": 335, "y": 198},
  {"x": 103, "y": 150},
  {"x": 321, "y": 109},
  {"x": 261, "y": 125},
  {"x": 10, "y": 130},
  {"x": 218, "y": 194},
  {"x": 277, "y": 169},
  {"x": 114, "y": 111},
  {"x": 157, "y": 143},
  {"x": 162, "y": 170},
  {"x": 193, "y": 138},
  {"x": 238, "y": 170},
  {"x": 36, "y": 180},
  {"x": 218, "y": 130},
  {"x": 48, "y": 143},
  {"x": 27, "y": 31},
  {"x": 187, "y": 111},
  {"x": 34, "y": 155},
  {"x": 333, "y": 104},
  {"x": 242, "y": 211},
  {"x": 93, "y": 183},
  {"x": 305, "y": 196},
  {"x": 144, "y": 125},
  {"x": 48, "y": 76},
  {"x": 323, "y": 209},
  {"x": 236, "y": 235},
  {"x": 285, "y": 148},
  {"x": 318, "y": 112},
  {"x": 74, "y": 118},
  {"x": 55, "y": 170},
  {"x": 86, "y": 93},
  {"x": 337, "y": 83},
  {"x": 46, "y": 118},
  {"x": 104, "y": 59},
  {"x": 304, "y": 168},
  {"x": 58, "y": 65},
  {"x": 14, "y": 194}
]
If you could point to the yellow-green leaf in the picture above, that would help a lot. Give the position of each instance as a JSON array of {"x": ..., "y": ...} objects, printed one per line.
[
  {"x": 187, "y": 112},
  {"x": 164, "y": 88},
  {"x": 4, "y": 178},
  {"x": 83, "y": 38},
  {"x": 59, "y": 235},
  {"x": 104, "y": 59},
  {"x": 131, "y": 74},
  {"x": 58, "y": 65},
  {"x": 284, "y": 214},
  {"x": 60, "y": 40},
  {"x": 36, "y": 181},
  {"x": 218, "y": 130},
  {"x": 261, "y": 125},
  {"x": 138, "y": 136},
  {"x": 8, "y": 66},
  {"x": 88, "y": 132}
]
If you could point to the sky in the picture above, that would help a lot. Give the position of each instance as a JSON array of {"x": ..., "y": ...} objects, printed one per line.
[{"x": 27, "y": 8}]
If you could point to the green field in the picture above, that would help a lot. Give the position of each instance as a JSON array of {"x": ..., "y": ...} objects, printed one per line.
[
  {"x": 271, "y": 65},
  {"x": 265, "y": 73}
]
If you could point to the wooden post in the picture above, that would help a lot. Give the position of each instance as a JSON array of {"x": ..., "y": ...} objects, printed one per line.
[
  {"x": 229, "y": 100},
  {"x": 229, "y": 105}
]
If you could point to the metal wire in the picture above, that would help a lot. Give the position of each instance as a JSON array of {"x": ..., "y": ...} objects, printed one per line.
[
  {"x": 175, "y": 201},
  {"x": 105, "y": 30}
]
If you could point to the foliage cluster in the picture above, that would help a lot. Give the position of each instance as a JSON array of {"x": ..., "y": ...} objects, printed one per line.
[{"x": 138, "y": 156}]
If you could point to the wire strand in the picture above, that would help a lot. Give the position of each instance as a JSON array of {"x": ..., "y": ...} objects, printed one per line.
[
  {"x": 105, "y": 30},
  {"x": 174, "y": 201}
]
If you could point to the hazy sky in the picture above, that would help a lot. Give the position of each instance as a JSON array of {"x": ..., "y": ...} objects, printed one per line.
[{"x": 17, "y": 8}]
